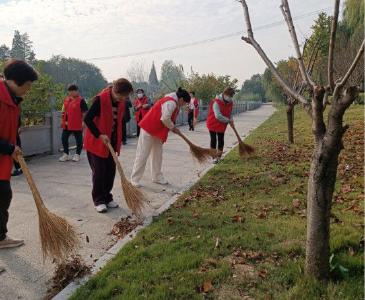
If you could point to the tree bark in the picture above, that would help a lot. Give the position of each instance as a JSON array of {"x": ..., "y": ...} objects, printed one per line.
[
  {"x": 290, "y": 121},
  {"x": 322, "y": 179}
]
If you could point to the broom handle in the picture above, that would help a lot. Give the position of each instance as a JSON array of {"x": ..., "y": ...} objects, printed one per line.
[
  {"x": 116, "y": 160},
  {"x": 31, "y": 183},
  {"x": 236, "y": 133},
  {"x": 185, "y": 138}
]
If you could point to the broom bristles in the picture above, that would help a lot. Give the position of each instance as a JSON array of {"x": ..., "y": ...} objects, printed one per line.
[
  {"x": 245, "y": 149},
  {"x": 58, "y": 237},
  {"x": 202, "y": 154},
  {"x": 134, "y": 198}
]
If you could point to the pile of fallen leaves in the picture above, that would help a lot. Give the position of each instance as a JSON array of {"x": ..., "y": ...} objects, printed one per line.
[
  {"x": 124, "y": 226},
  {"x": 65, "y": 273}
]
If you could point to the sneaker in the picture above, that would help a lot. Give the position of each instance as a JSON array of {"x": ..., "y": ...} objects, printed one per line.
[
  {"x": 112, "y": 204},
  {"x": 10, "y": 243},
  {"x": 17, "y": 172},
  {"x": 101, "y": 208},
  {"x": 76, "y": 158},
  {"x": 161, "y": 181},
  {"x": 216, "y": 160},
  {"x": 64, "y": 157}
]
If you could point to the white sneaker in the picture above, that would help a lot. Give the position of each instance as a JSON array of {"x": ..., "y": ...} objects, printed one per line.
[
  {"x": 64, "y": 157},
  {"x": 216, "y": 160},
  {"x": 101, "y": 208},
  {"x": 112, "y": 204},
  {"x": 76, "y": 158},
  {"x": 161, "y": 181}
]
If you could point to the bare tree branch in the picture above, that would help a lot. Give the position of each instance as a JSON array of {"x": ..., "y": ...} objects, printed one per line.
[
  {"x": 353, "y": 65},
  {"x": 251, "y": 40},
  {"x": 288, "y": 18},
  {"x": 331, "y": 49}
]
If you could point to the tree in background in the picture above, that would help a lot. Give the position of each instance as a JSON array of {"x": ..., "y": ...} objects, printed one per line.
[
  {"x": 22, "y": 47},
  {"x": 85, "y": 75},
  {"x": 172, "y": 76},
  {"x": 252, "y": 89},
  {"x": 4, "y": 52},
  {"x": 207, "y": 86}
]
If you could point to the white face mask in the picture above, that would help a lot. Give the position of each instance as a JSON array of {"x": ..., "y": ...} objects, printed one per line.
[
  {"x": 227, "y": 98},
  {"x": 140, "y": 96}
]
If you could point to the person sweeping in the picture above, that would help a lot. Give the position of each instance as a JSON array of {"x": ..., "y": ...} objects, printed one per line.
[
  {"x": 104, "y": 126},
  {"x": 142, "y": 104},
  {"x": 19, "y": 77},
  {"x": 219, "y": 116},
  {"x": 73, "y": 111},
  {"x": 155, "y": 127}
]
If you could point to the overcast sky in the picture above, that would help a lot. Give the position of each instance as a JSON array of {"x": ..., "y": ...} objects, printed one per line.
[{"x": 98, "y": 28}]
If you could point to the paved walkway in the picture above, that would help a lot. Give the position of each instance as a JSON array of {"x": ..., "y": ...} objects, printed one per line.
[{"x": 66, "y": 190}]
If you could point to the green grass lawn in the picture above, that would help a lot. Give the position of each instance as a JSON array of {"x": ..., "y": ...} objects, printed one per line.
[{"x": 239, "y": 233}]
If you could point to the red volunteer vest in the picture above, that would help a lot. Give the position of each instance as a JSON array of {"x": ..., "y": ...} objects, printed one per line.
[
  {"x": 72, "y": 115},
  {"x": 9, "y": 122},
  {"x": 142, "y": 111},
  {"x": 196, "y": 110},
  {"x": 212, "y": 123},
  {"x": 152, "y": 121},
  {"x": 105, "y": 125}
]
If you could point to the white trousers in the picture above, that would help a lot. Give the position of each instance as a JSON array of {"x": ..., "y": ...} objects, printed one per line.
[{"x": 147, "y": 145}]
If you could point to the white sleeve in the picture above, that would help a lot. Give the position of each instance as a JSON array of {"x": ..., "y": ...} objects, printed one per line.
[{"x": 167, "y": 110}]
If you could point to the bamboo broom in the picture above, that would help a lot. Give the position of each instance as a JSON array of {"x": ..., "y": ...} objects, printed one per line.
[
  {"x": 201, "y": 154},
  {"x": 134, "y": 197},
  {"x": 58, "y": 237},
  {"x": 243, "y": 148}
]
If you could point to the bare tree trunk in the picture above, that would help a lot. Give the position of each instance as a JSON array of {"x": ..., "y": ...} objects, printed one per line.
[
  {"x": 290, "y": 121},
  {"x": 322, "y": 179}
]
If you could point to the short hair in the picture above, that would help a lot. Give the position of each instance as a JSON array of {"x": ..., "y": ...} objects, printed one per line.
[
  {"x": 140, "y": 90},
  {"x": 19, "y": 71},
  {"x": 192, "y": 92},
  {"x": 122, "y": 86},
  {"x": 72, "y": 87},
  {"x": 229, "y": 91},
  {"x": 181, "y": 93}
]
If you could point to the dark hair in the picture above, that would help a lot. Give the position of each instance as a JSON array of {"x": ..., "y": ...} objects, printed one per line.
[
  {"x": 19, "y": 71},
  {"x": 229, "y": 91},
  {"x": 181, "y": 93},
  {"x": 193, "y": 93},
  {"x": 140, "y": 90},
  {"x": 122, "y": 86},
  {"x": 73, "y": 87}
]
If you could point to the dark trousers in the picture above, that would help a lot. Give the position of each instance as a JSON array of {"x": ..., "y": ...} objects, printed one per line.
[
  {"x": 5, "y": 199},
  {"x": 213, "y": 140},
  {"x": 103, "y": 174},
  {"x": 78, "y": 137},
  {"x": 191, "y": 119},
  {"x": 19, "y": 144},
  {"x": 139, "y": 128},
  {"x": 124, "y": 131}
]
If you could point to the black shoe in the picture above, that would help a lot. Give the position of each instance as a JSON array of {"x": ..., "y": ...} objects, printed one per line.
[
  {"x": 124, "y": 143},
  {"x": 17, "y": 172}
]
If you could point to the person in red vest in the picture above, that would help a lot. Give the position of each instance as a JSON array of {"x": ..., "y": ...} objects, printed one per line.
[
  {"x": 104, "y": 125},
  {"x": 142, "y": 104},
  {"x": 73, "y": 112},
  {"x": 219, "y": 116},
  {"x": 155, "y": 127},
  {"x": 193, "y": 111},
  {"x": 19, "y": 77}
]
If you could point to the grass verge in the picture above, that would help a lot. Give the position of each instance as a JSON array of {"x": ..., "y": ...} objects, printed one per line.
[{"x": 239, "y": 233}]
